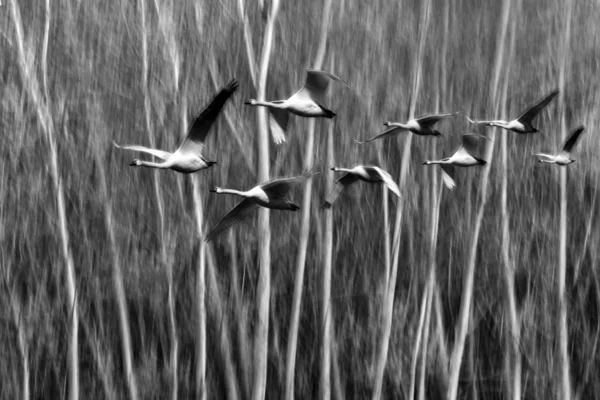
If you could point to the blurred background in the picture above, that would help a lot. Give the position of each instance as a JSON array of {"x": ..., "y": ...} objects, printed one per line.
[{"x": 109, "y": 292}]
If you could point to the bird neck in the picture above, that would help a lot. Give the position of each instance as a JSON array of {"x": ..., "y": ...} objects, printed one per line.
[
  {"x": 150, "y": 164},
  {"x": 233, "y": 191},
  {"x": 340, "y": 169},
  {"x": 442, "y": 161},
  {"x": 270, "y": 104},
  {"x": 500, "y": 124}
]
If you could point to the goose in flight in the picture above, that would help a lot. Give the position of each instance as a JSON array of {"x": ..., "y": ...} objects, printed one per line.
[
  {"x": 270, "y": 194},
  {"x": 419, "y": 126},
  {"x": 461, "y": 158},
  {"x": 188, "y": 157},
  {"x": 306, "y": 102},
  {"x": 564, "y": 157},
  {"x": 367, "y": 173},
  {"x": 523, "y": 123}
]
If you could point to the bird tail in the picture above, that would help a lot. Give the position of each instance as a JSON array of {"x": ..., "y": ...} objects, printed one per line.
[{"x": 328, "y": 113}]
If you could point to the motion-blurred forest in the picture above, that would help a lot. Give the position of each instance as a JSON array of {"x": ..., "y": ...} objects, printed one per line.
[{"x": 488, "y": 291}]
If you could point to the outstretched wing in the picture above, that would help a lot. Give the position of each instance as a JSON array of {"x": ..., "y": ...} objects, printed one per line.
[
  {"x": 338, "y": 188},
  {"x": 531, "y": 112},
  {"x": 387, "y": 179},
  {"x": 243, "y": 210},
  {"x": 391, "y": 131},
  {"x": 470, "y": 141},
  {"x": 278, "y": 122},
  {"x": 194, "y": 142},
  {"x": 432, "y": 119},
  {"x": 280, "y": 187},
  {"x": 572, "y": 139},
  {"x": 448, "y": 175},
  {"x": 157, "y": 153},
  {"x": 316, "y": 84}
]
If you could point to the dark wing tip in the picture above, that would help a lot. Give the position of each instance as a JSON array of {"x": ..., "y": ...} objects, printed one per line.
[{"x": 232, "y": 85}]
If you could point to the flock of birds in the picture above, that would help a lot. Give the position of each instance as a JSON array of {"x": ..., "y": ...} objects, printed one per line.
[{"x": 308, "y": 102}]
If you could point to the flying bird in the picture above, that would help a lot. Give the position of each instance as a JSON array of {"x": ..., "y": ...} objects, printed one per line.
[
  {"x": 523, "y": 123},
  {"x": 461, "y": 158},
  {"x": 367, "y": 173},
  {"x": 188, "y": 157},
  {"x": 306, "y": 102},
  {"x": 564, "y": 157},
  {"x": 270, "y": 194},
  {"x": 419, "y": 126}
]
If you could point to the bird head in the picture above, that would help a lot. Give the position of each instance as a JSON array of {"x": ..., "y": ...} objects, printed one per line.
[
  {"x": 136, "y": 163},
  {"x": 216, "y": 190},
  {"x": 250, "y": 102},
  {"x": 386, "y": 123},
  {"x": 333, "y": 168}
]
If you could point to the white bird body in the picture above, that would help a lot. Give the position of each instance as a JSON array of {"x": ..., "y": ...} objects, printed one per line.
[
  {"x": 522, "y": 124},
  {"x": 188, "y": 157},
  {"x": 461, "y": 158},
  {"x": 270, "y": 194},
  {"x": 564, "y": 157},
  {"x": 419, "y": 126},
  {"x": 367, "y": 173},
  {"x": 306, "y": 102}
]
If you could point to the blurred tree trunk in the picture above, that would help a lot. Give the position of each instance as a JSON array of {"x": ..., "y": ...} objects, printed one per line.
[
  {"x": 513, "y": 338},
  {"x": 302, "y": 246},
  {"x": 388, "y": 306},
  {"x": 42, "y": 107},
  {"x": 462, "y": 326},
  {"x": 326, "y": 312},
  {"x": 563, "y": 332},
  {"x": 263, "y": 289}
]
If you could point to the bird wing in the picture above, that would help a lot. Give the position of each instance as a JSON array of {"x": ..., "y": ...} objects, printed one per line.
[
  {"x": 572, "y": 139},
  {"x": 157, "y": 153},
  {"x": 316, "y": 85},
  {"x": 280, "y": 187},
  {"x": 388, "y": 132},
  {"x": 194, "y": 142},
  {"x": 432, "y": 119},
  {"x": 529, "y": 114},
  {"x": 387, "y": 179},
  {"x": 278, "y": 122},
  {"x": 448, "y": 175},
  {"x": 338, "y": 187},
  {"x": 236, "y": 215},
  {"x": 471, "y": 140}
]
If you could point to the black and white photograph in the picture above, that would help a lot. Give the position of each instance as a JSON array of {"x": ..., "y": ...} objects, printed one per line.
[{"x": 317, "y": 199}]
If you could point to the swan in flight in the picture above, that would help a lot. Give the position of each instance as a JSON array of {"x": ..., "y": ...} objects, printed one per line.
[
  {"x": 461, "y": 158},
  {"x": 188, "y": 157},
  {"x": 270, "y": 194},
  {"x": 523, "y": 123},
  {"x": 564, "y": 157},
  {"x": 419, "y": 126},
  {"x": 367, "y": 173},
  {"x": 306, "y": 102}
]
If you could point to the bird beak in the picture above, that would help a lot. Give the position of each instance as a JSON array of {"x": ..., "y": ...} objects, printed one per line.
[
  {"x": 332, "y": 168},
  {"x": 213, "y": 190}
]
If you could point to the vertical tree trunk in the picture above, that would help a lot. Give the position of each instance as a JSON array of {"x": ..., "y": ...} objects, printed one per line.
[
  {"x": 513, "y": 352},
  {"x": 326, "y": 319},
  {"x": 465, "y": 307},
  {"x": 388, "y": 306},
  {"x": 263, "y": 289},
  {"x": 563, "y": 333},
  {"x": 304, "y": 233}
]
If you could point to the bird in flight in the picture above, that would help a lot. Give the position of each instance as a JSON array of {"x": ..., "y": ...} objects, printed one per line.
[
  {"x": 419, "y": 126},
  {"x": 367, "y": 173},
  {"x": 564, "y": 157},
  {"x": 306, "y": 102},
  {"x": 188, "y": 157},
  {"x": 461, "y": 158},
  {"x": 523, "y": 124},
  {"x": 270, "y": 194}
]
